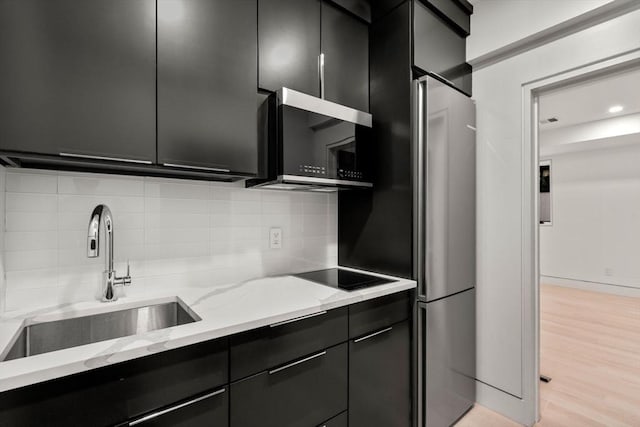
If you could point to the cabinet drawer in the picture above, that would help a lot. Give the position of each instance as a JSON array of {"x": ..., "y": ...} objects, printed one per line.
[
  {"x": 264, "y": 348},
  {"x": 337, "y": 421},
  {"x": 165, "y": 378},
  {"x": 301, "y": 393},
  {"x": 379, "y": 378},
  {"x": 116, "y": 393},
  {"x": 209, "y": 409},
  {"x": 378, "y": 313}
]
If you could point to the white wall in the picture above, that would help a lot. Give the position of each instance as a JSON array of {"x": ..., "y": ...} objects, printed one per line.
[
  {"x": 506, "y": 326},
  {"x": 498, "y": 23},
  {"x": 192, "y": 233},
  {"x": 596, "y": 217}
]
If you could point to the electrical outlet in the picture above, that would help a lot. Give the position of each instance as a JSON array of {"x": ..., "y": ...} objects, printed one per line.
[{"x": 275, "y": 238}]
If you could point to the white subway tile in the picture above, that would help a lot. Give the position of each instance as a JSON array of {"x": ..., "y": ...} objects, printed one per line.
[
  {"x": 30, "y": 240},
  {"x": 21, "y": 181},
  {"x": 35, "y": 278},
  {"x": 167, "y": 235},
  {"x": 30, "y": 221},
  {"x": 177, "y": 189},
  {"x": 99, "y": 184},
  {"x": 179, "y": 250},
  {"x": 168, "y": 220},
  {"x": 75, "y": 203},
  {"x": 189, "y": 206},
  {"x": 29, "y": 260},
  {"x": 31, "y": 202}
]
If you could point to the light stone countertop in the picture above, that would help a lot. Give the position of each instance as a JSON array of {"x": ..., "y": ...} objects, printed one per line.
[{"x": 224, "y": 310}]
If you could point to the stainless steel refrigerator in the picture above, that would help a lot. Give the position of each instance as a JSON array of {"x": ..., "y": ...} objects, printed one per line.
[{"x": 445, "y": 249}]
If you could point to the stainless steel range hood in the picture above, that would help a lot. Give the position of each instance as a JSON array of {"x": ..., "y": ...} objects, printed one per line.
[{"x": 311, "y": 144}]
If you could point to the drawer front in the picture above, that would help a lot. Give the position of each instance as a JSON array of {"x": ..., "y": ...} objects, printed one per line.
[
  {"x": 302, "y": 393},
  {"x": 378, "y": 313},
  {"x": 338, "y": 421},
  {"x": 380, "y": 378},
  {"x": 210, "y": 409},
  {"x": 116, "y": 393},
  {"x": 156, "y": 381},
  {"x": 264, "y": 348}
]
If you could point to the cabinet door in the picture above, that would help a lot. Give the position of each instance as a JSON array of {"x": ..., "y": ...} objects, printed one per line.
[
  {"x": 345, "y": 45},
  {"x": 301, "y": 393},
  {"x": 208, "y": 410},
  {"x": 207, "y": 65},
  {"x": 439, "y": 49},
  {"x": 289, "y": 34},
  {"x": 379, "y": 378},
  {"x": 78, "y": 77}
]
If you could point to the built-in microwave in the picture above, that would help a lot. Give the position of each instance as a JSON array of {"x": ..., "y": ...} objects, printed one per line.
[{"x": 308, "y": 143}]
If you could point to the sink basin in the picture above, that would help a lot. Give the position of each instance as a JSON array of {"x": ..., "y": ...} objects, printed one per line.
[{"x": 44, "y": 337}]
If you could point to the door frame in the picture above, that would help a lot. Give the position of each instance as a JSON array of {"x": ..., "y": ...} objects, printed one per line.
[{"x": 530, "y": 202}]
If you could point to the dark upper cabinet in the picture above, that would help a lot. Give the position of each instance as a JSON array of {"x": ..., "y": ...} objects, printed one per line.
[
  {"x": 292, "y": 35},
  {"x": 207, "y": 65},
  {"x": 379, "y": 378},
  {"x": 78, "y": 77},
  {"x": 289, "y": 39},
  {"x": 440, "y": 44},
  {"x": 345, "y": 45}
]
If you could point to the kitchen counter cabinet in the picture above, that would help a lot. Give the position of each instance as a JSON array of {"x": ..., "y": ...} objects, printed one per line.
[
  {"x": 113, "y": 394},
  {"x": 380, "y": 378},
  {"x": 126, "y": 379},
  {"x": 207, "y": 65},
  {"x": 210, "y": 409},
  {"x": 301, "y": 393},
  {"x": 78, "y": 77}
]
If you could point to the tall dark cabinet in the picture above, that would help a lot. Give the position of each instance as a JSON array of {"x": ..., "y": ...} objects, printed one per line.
[
  {"x": 207, "y": 73},
  {"x": 70, "y": 83},
  {"x": 408, "y": 39}
]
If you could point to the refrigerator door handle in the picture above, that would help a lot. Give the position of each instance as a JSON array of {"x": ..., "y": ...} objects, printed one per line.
[{"x": 420, "y": 156}]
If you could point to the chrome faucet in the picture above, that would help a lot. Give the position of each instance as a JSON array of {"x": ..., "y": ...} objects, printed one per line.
[{"x": 102, "y": 213}]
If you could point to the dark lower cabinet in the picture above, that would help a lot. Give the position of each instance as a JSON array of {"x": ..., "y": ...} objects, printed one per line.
[
  {"x": 379, "y": 378},
  {"x": 116, "y": 393},
  {"x": 78, "y": 77},
  {"x": 207, "y": 73},
  {"x": 361, "y": 382},
  {"x": 301, "y": 393},
  {"x": 345, "y": 45},
  {"x": 208, "y": 410},
  {"x": 254, "y": 351},
  {"x": 341, "y": 420}
]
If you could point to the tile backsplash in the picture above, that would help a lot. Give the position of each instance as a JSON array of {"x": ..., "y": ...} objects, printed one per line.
[{"x": 191, "y": 233}]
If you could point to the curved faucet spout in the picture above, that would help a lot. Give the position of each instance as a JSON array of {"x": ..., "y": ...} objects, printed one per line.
[{"x": 102, "y": 214}]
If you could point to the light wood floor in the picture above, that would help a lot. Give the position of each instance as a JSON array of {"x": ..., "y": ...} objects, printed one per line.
[{"x": 590, "y": 347}]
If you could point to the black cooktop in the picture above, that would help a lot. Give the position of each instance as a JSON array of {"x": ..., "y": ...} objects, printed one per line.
[{"x": 343, "y": 279}]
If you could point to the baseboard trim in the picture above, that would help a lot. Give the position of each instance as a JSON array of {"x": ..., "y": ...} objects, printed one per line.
[{"x": 606, "y": 288}]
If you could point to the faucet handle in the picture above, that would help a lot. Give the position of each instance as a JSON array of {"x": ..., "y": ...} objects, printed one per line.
[{"x": 127, "y": 277}]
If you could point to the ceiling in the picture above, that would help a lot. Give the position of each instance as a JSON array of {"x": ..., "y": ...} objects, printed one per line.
[{"x": 590, "y": 101}]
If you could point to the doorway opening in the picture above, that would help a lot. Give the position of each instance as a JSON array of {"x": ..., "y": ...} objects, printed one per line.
[{"x": 586, "y": 141}]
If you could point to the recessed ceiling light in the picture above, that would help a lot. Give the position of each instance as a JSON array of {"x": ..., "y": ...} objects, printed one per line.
[{"x": 616, "y": 109}]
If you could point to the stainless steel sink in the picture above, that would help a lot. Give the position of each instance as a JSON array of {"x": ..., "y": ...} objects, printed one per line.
[{"x": 44, "y": 337}]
